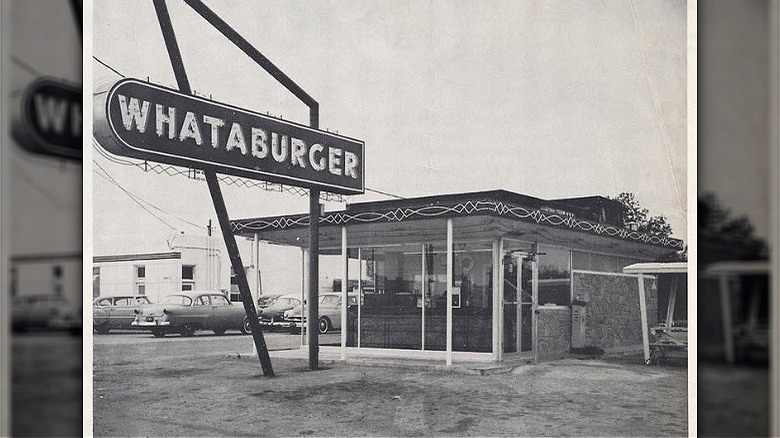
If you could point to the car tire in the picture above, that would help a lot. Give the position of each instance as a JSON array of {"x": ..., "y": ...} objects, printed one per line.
[
  {"x": 324, "y": 325},
  {"x": 188, "y": 330},
  {"x": 245, "y": 327},
  {"x": 102, "y": 329},
  {"x": 158, "y": 332},
  {"x": 219, "y": 332}
]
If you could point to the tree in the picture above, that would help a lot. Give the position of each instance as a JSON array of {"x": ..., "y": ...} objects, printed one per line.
[
  {"x": 635, "y": 217},
  {"x": 722, "y": 234}
]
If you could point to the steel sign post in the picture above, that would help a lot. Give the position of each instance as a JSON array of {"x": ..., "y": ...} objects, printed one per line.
[
  {"x": 150, "y": 122},
  {"x": 219, "y": 203}
]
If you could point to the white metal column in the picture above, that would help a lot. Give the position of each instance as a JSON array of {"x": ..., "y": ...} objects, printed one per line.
[
  {"x": 499, "y": 300},
  {"x": 344, "y": 293},
  {"x": 360, "y": 292},
  {"x": 725, "y": 306},
  {"x": 496, "y": 304},
  {"x": 304, "y": 293},
  {"x": 423, "y": 280},
  {"x": 257, "y": 268},
  {"x": 449, "y": 292},
  {"x": 519, "y": 295},
  {"x": 534, "y": 307}
]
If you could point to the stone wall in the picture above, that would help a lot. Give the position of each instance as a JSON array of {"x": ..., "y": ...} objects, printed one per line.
[
  {"x": 612, "y": 314},
  {"x": 554, "y": 330}
]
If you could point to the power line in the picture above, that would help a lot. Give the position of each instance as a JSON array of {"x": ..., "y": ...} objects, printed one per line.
[
  {"x": 326, "y": 196},
  {"x": 108, "y": 177},
  {"x": 24, "y": 66},
  {"x": 108, "y": 66},
  {"x": 384, "y": 193}
]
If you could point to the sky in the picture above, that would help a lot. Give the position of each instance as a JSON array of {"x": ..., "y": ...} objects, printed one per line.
[
  {"x": 734, "y": 108},
  {"x": 545, "y": 98}
]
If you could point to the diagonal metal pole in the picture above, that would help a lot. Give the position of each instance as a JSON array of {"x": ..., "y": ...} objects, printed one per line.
[
  {"x": 216, "y": 195},
  {"x": 314, "y": 194}
]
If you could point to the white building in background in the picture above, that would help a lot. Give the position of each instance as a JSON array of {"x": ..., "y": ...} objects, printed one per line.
[{"x": 191, "y": 263}]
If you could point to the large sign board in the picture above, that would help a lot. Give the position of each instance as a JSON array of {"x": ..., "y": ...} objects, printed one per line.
[
  {"x": 51, "y": 119},
  {"x": 143, "y": 120}
]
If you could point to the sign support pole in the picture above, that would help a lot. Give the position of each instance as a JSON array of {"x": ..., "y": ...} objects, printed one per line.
[
  {"x": 314, "y": 279},
  {"x": 216, "y": 194},
  {"x": 314, "y": 194}
]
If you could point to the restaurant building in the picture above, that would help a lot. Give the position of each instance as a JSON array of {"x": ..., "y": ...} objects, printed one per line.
[{"x": 514, "y": 265}]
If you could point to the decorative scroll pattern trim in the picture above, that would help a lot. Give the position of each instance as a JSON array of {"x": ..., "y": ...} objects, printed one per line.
[{"x": 465, "y": 208}]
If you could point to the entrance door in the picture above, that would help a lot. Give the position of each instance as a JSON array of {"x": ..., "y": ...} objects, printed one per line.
[{"x": 518, "y": 303}]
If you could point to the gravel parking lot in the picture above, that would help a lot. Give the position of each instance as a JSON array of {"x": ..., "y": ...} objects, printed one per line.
[{"x": 218, "y": 394}]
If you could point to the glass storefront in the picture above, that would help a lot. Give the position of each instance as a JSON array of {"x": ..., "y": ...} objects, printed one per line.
[{"x": 405, "y": 298}]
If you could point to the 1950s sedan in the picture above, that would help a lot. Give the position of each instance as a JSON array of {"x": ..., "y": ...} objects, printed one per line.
[
  {"x": 116, "y": 312},
  {"x": 187, "y": 312}
]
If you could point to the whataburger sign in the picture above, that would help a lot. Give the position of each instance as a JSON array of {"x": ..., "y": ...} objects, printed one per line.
[{"x": 147, "y": 121}]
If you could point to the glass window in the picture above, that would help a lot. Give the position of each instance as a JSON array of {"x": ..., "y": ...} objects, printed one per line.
[
  {"x": 402, "y": 301},
  {"x": 178, "y": 299},
  {"x": 124, "y": 302},
  {"x": 186, "y": 286},
  {"x": 554, "y": 277},
  {"x": 140, "y": 271},
  {"x": 104, "y": 302},
  {"x": 219, "y": 300},
  {"x": 95, "y": 280},
  {"x": 142, "y": 300},
  {"x": 141, "y": 289},
  {"x": 202, "y": 300},
  {"x": 188, "y": 272}
]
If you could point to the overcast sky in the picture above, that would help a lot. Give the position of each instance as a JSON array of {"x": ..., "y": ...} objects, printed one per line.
[{"x": 545, "y": 98}]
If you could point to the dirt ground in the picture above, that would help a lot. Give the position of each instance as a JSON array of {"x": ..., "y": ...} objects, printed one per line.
[{"x": 228, "y": 396}]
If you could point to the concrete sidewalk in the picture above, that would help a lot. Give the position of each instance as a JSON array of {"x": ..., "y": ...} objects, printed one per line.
[{"x": 468, "y": 367}]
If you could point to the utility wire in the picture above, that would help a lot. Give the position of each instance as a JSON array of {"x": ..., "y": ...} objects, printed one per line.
[
  {"x": 107, "y": 66},
  {"x": 229, "y": 180},
  {"x": 24, "y": 66},
  {"x": 139, "y": 198},
  {"x": 108, "y": 177}
]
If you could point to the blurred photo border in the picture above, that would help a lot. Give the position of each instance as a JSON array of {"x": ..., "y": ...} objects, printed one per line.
[
  {"x": 774, "y": 196},
  {"x": 5, "y": 199}
]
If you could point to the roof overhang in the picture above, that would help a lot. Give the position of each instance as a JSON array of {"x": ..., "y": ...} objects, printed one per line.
[
  {"x": 657, "y": 268},
  {"x": 480, "y": 216},
  {"x": 739, "y": 267}
]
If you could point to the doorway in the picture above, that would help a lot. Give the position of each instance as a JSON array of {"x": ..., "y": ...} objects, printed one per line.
[{"x": 519, "y": 303}]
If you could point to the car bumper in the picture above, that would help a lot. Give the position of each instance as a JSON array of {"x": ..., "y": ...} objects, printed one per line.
[
  {"x": 155, "y": 323},
  {"x": 275, "y": 323}
]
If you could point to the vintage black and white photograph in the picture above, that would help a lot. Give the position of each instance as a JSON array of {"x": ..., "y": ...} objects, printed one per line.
[
  {"x": 408, "y": 218},
  {"x": 41, "y": 315}
]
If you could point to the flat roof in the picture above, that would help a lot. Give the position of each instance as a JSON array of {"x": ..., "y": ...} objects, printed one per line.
[
  {"x": 657, "y": 268},
  {"x": 137, "y": 257},
  {"x": 486, "y": 214}
]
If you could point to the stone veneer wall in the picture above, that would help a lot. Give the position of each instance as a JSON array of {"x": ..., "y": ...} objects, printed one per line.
[
  {"x": 554, "y": 331},
  {"x": 612, "y": 315}
]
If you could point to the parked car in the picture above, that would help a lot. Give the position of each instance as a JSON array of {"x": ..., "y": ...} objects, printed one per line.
[
  {"x": 186, "y": 312},
  {"x": 329, "y": 311},
  {"x": 47, "y": 312},
  {"x": 116, "y": 312},
  {"x": 266, "y": 300},
  {"x": 273, "y": 315}
]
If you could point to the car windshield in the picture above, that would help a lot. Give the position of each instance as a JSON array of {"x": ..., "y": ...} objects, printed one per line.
[
  {"x": 285, "y": 302},
  {"x": 177, "y": 299}
]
